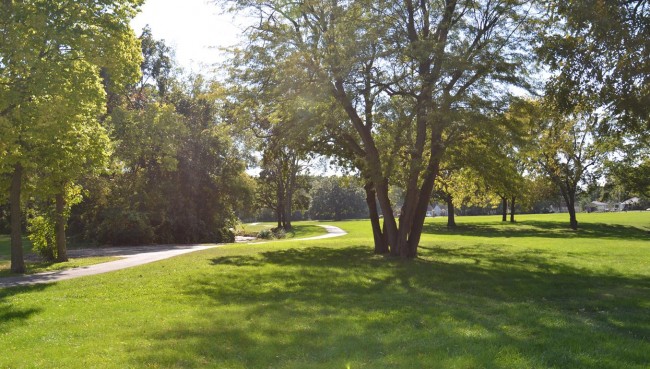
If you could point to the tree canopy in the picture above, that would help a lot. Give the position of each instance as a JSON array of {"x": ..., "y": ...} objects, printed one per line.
[
  {"x": 54, "y": 56},
  {"x": 384, "y": 84}
]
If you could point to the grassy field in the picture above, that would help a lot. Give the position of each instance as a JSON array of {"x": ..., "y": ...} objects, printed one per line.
[{"x": 486, "y": 295}]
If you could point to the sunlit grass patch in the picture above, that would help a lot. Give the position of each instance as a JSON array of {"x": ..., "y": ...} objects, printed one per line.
[{"x": 522, "y": 297}]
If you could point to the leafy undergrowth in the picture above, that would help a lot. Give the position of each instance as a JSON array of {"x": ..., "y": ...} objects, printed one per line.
[
  {"x": 485, "y": 295},
  {"x": 44, "y": 266}
]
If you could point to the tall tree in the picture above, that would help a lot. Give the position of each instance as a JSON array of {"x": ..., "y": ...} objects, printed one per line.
[
  {"x": 358, "y": 59},
  {"x": 281, "y": 177},
  {"x": 566, "y": 148},
  {"x": 42, "y": 44}
]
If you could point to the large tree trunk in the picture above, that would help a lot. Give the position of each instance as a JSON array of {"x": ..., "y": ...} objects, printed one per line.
[
  {"x": 17, "y": 259},
  {"x": 381, "y": 247},
  {"x": 504, "y": 211},
  {"x": 278, "y": 216},
  {"x": 61, "y": 251},
  {"x": 569, "y": 195},
  {"x": 287, "y": 211},
  {"x": 451, "y": 217},
  {"x": 512, "y": 210},
  {"x": 390, "y": 225},
  {"x": 573, "y": 221},
  {"x": 425, "y": 195}
]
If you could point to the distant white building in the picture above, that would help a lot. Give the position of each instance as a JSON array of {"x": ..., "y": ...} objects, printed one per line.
[
  {"x": 599, "y": 206},
  {"x": 435, "y": 211},
  {"x": 627, "y": 204}
]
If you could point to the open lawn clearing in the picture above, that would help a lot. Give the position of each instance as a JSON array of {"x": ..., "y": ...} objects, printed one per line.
[{"x": 527, "y": 295}]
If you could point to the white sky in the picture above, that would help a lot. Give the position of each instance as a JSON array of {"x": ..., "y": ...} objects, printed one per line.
[{"x": 194, "y": 28}]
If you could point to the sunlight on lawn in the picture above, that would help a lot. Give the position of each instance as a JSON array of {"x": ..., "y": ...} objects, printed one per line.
[{"x": 484, "y": 295}]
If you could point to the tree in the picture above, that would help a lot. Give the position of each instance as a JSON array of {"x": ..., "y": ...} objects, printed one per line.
[
  {"x": 634, "y": 176},
  {"x": 78, "y": 145},
  {"x": 599, "y": 50},
  {"x": 177, "y": 171},
  {"x": 53, "y": 51},
  {"x": 279, "y": 181},
  {"x": 337, "y": 198},
  {"x": 566, "y": 148},
  {"x": 396, "y": 73}
]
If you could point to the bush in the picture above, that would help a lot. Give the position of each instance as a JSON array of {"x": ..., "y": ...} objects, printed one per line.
[
  {"x": 266, "y": 234},
  {"x": 41, "y": 234},
  {"x": 125, "y": 228},
  {"x": 280, "y": 233},
  {"x": 225, "y": 235}
]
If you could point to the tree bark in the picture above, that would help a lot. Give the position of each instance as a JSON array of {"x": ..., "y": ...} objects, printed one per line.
[
  {"x": 569, "y": 194},
  {"x": 390, "y": 225},
  {"x": 17, "y": 259},
  {"x": 289, "y": 190},
  {"x": 504, "y": 212},
  {"x": 278, "y": 215},
  {"x": 61, "y": 250},
  {"x": 512, "y": 209},
  {"x": 426, "y": 189},
  {"x": 451, "y": 217},
  {"x": 573, "y": 221},
  {"x": 381, "y": 247}
]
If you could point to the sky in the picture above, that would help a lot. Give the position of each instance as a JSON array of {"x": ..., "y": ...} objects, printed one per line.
[{"x": 196, "y": 29}]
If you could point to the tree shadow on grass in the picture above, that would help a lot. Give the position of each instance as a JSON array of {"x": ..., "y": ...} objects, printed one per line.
[
  {"x": 322, "y": 307},
  {"x": 9, "y": 314},
  {"x": 547, "y": 229}
]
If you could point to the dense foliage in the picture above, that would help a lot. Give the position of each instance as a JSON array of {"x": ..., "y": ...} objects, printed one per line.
[
  {"x": 177, "y": 175},
  {"x": 53, "y": 55},
  {"x": 337, "y": 198}
]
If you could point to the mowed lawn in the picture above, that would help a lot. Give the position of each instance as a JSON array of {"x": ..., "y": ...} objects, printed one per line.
[{"x": 486, "y": 295}]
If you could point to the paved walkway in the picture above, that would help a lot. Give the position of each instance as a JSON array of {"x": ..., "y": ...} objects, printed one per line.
[{"x": 131, "y": 256}]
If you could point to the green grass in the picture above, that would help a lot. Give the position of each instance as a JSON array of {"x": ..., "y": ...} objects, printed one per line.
[
  {"x": 486, "y": 295},
  {"x": 39, "y": 267},
  {"x": 46, "y": 266},
  {"x": 5, "y": 247}
]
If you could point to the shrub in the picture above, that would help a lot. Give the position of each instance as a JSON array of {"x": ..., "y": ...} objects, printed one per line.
[
  {"x": 225, "y": 235},
  {"x": 41, "y": 234},
  {"x": 125, "y": 227},
  {"x": 266, "y": 234},
  {"x": 280, "y": 233}
]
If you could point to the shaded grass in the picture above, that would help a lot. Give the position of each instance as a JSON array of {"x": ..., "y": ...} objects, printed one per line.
[
  {"x": 547, "y": 228},
  {"x": 5, "y": 247},
  {"x": 468, "y": 301}
]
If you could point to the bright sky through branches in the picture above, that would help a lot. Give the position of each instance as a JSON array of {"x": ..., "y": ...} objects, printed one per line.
[{"x": 194, "y": 28}]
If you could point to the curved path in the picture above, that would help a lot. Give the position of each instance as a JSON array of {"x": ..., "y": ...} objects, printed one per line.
[{"x": 131, "y": 256}]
